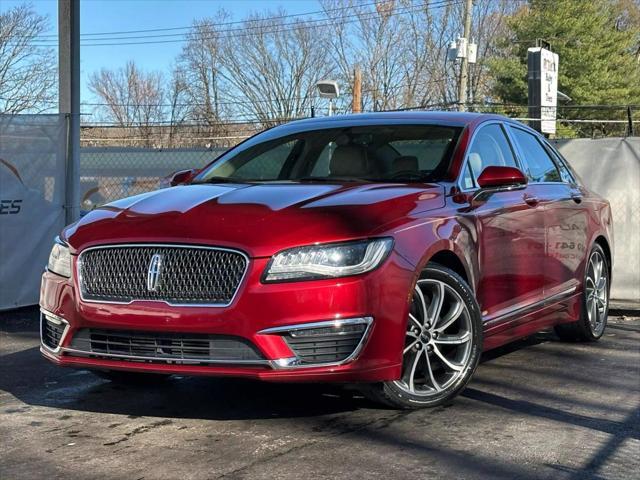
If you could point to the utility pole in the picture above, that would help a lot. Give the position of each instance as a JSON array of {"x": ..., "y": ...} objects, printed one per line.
[
  {"x": 464, "y": 65},
  {"x": 357, "y": 90},
  {"x": 69, "y": 98}
]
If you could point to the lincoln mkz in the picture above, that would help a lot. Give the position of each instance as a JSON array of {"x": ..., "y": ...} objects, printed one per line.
[{"x": 385, "y": 250}]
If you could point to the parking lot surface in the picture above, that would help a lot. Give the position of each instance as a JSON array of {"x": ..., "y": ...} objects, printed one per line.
[{"x": 539, "y": 408}]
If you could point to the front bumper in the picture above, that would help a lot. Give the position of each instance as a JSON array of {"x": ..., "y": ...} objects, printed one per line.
[{"x": 261, "y": 315}]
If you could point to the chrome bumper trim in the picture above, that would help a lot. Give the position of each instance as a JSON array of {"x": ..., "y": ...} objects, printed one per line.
[
  {"x": 169, "y": 360},
  {"x": 55, "y": 319},
  {"x": 294, "y": 362}
]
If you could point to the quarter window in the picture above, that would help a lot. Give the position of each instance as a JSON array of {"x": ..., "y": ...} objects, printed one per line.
[
  {"x": 489, "y": 147},
  {"x": 540, "y": 165}
]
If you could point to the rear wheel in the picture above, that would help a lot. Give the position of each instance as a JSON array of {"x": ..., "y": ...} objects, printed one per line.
[
  {"x": 130, "y": 378},
  {"x": 595, "y": 301},
  {"x": 443, "y": 343}
]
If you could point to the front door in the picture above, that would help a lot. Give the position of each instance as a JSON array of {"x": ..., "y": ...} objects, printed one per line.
[{"x": 511, "y": 232}]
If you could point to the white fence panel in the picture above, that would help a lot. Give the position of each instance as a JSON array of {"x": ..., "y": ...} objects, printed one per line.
[
  {"x": 611, "y": 167},
  {"x": 32, "y": 193}
]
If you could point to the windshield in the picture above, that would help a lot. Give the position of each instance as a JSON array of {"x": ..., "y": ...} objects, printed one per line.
[{"x": 402, "y": 153}]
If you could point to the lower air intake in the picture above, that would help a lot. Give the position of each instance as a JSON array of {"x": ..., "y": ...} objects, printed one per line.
[
  {"x": 334, "y": 343},
  {"x": 51, "y": 331},
  {"x": 164, "y": 347}
]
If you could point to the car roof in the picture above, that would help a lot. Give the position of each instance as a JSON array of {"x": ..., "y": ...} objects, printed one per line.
[{"x": 451, "y": 118}]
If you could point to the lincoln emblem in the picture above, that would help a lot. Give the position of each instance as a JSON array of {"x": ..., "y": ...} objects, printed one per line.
[{"x": 153, "y": 275}]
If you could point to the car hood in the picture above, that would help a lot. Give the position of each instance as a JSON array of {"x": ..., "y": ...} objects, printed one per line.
[{"x": 259, "y": 219}]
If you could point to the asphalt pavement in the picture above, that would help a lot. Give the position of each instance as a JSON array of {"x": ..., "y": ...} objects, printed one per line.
[{"x": 538, "y": 408}]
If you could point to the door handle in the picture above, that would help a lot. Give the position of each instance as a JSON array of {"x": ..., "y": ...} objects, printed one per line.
[
  {"x": 531, "y": 200},
  {"x": 576, "y": 197}
]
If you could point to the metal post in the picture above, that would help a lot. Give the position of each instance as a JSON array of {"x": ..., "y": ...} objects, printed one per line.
[
  {"x": 69, "y": 98},
  {"x": 464, "y": 65},
  {"x": 629, "y": 122}
]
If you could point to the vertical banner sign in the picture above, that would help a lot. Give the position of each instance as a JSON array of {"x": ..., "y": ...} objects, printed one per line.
[{"x": 543, "y": 88}]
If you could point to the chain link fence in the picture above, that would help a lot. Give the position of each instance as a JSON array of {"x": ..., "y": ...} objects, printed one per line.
[{"x": 110, "y": 173}]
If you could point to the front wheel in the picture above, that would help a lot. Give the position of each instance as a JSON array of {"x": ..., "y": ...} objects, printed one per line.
[{"x": 443, "y": 343}]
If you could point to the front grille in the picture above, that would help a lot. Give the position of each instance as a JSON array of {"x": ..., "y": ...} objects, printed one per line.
[
  {"x": 183, "y": 274},
  {"x": 51, "y": 331},
  {"x": 163, "y": 347},
  {"x": 325, "y": 344}
]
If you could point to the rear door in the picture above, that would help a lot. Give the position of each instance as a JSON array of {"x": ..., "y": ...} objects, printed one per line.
[
  {"x": 565, "y": 217},
  {"x": 511, "y": 232}
]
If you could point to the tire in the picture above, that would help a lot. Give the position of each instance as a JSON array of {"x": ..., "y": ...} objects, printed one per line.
[
  {"x": 439, "y": 357},
  {"x": 595, "y": 301},
  {"x": 131, "y": 378}
]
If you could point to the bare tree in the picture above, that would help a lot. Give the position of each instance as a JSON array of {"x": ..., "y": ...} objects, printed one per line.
[
  {"x": 273, "y": 66},
  {"x": 371, "y": 37},
  {"x": 131, "y": 97},
  {"x": 200, "y": 63},
  {"x": 177, "y": 96},
  {"x": 28, "y": 71}
]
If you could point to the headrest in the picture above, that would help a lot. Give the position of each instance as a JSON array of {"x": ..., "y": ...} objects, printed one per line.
[
  {"x": 475, "y": 161},
  {"x": 405, "y": 163},
  {"x": 348, "y": 161}
]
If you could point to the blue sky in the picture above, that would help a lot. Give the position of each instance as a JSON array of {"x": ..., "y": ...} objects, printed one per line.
[{"x": 123, "y": 15}]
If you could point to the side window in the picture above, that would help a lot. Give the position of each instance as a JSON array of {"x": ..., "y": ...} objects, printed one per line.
[
  {"x": 561, "y": 163},
  {"x": 266, "y": 165},
  {"x": 540, "y": 165},
  {"x": 489, "y": 147}
]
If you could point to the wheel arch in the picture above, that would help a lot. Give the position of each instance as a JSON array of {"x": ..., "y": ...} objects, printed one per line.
[
  {"x": 449, "y": 259},
  {"x": 604, "y": 243}
]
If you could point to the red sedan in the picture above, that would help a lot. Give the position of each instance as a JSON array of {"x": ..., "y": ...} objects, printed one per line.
[{"x": 386, "y": 249}]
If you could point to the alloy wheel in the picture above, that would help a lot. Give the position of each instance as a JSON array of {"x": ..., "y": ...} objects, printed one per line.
[
  {"x": 597, "y": 292},
  {"x": 438, "y": 340}
]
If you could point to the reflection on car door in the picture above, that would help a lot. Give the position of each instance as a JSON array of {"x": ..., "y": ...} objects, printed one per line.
[
  {"x": 565, "y": 216},
  {"x": 510, "y": 226}
]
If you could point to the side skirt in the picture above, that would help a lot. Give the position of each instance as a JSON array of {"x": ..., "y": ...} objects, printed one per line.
[{"x": 563, "y": 308}]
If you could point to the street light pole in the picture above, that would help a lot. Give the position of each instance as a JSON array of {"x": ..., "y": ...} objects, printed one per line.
[{"x": 464, "y": 65}]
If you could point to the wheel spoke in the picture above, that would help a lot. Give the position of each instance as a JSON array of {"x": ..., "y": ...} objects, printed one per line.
[
  {"x": 452, "y": 366},
  {"x": 592, "y": 265},
  {"x": 423, "y": 304},
  {"x": 594, "y": 313},
  {"x": 432, "y": 377},
  {"x": 435, "y": 307},
  {"x": 453, "y": 339},
  {"x": 452, "y": 315},
  {"x": 409, "y": 347},
  {"x": 411, "y": 334},
  {"x": 416, "y": 360},
  {"x": 415, "y": 321}
]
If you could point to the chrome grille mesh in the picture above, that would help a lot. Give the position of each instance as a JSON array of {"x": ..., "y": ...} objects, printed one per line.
[{"x": 189, "y": 275}]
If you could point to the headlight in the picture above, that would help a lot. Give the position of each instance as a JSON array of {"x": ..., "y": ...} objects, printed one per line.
[
  {"x": 328, "y": 260},
  {"x": 60, "y": 259}
]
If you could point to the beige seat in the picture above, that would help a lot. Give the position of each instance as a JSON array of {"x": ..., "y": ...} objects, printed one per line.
[
  {"x": 405, "y": 163},
  {"x": 348, "y": 161}
]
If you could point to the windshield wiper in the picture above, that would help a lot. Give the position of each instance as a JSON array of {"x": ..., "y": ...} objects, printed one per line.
[
  {"x": 220, "y": 180},
  {"x": 331, "y": 179}
]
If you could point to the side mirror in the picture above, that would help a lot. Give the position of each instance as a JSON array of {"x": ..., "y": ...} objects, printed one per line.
[
  {"x": 182, "y": 176},
  {"x": 495, "y": 177}
]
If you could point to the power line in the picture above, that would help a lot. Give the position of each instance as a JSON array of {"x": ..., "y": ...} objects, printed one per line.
[
  {"x": 216, "y": 24},
  {"x": 268, "y": 29}
]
